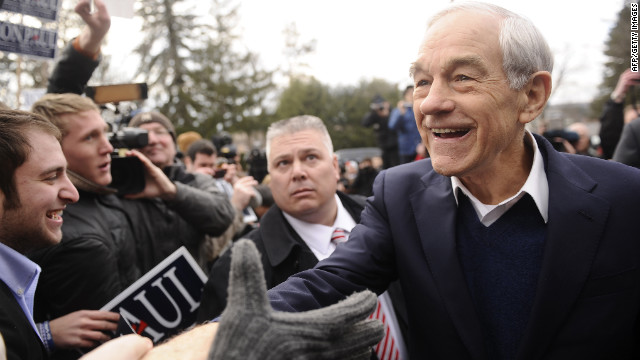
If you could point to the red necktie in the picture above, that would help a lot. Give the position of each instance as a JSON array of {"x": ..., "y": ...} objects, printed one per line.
[
  {"x": 386, "y": 348},
  {"x": 339, "y": 236}
]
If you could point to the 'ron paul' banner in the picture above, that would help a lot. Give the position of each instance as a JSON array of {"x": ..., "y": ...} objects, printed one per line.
[
  {"x": 165, "y": 300},
  {"x": 27, "y": 40},
  {"x": 44, "y": 9}
]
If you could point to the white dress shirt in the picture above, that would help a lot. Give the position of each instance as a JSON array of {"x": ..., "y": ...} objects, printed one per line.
[{"x": 536, "y": 186}]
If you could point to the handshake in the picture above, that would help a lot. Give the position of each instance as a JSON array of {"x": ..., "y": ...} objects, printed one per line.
[{"x": 251, "y": 329}]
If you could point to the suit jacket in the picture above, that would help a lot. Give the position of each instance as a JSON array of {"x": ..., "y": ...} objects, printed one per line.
[
  {"x": 21, "y": 340},
  {"x": 283, "y": 254},
  {"x": 588, "y": 296}
]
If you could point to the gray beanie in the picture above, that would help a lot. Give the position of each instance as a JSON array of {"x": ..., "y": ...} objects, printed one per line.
[{"x": 153, "y": 116}]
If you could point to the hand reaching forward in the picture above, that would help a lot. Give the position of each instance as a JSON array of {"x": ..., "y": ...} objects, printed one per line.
[
  {"x": 83, "y": 328},
  {"x": 251, "y": 329}
]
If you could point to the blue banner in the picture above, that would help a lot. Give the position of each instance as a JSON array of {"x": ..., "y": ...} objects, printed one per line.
[
  {"x": 27, "y": 40},
  {"x": 44, "y": 9}
]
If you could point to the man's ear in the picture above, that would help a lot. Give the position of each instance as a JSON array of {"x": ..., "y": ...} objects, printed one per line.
[
  {"x": 537, "y": 92},
  {"x": 336, "y": 166}
]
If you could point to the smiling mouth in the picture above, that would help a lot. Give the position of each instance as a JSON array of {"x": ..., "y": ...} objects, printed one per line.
[
  {"x": 55, "y": 215},
  {"x": 449, "y": 133}
]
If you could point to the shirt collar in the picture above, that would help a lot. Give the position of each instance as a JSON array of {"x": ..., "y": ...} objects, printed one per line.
[
  {"x": 21, "y": 276},
  {"x": 16, "y": 270},
  {"x": 536, "y": 186},
  {"x": 318, "y": 236}
]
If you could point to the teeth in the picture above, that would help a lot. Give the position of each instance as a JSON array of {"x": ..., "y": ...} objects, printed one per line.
[
  {"x": 446, "y": 131},
  {"x": 55, "y": 215}
]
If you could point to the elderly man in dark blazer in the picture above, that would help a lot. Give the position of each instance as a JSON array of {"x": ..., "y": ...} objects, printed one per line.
[{"x": 504, "y": 248}]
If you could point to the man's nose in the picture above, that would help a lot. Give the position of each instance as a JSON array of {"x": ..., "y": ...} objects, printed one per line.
[
  {"x": 68, "y": 191},
  {"x": 438, "y": 99},
  {"x": 298, "y": 170}
]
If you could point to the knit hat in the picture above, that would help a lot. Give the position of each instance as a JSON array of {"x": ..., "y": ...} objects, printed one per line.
[{"x": 153, "y": 116}]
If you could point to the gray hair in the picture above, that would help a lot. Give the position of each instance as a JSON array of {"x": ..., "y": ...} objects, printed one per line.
[
  {"x": 297, "y": 124},
  {"x": 524, "y": 49}
]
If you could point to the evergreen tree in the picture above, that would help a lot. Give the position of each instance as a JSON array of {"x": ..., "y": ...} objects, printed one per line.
[
  {"x": 618, "y": 49},
  {"x": 341, "y": 108},
  {"x": 164, "y": 53},
  {"x": 203, "y": 82}
]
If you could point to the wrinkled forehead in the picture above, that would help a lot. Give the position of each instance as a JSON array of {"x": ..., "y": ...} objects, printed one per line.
[{"x": 462, "y": 34}]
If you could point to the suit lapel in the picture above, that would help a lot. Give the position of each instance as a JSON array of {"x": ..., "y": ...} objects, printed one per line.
[
  {"x": 435, "y": 213},
  {"x": 576, "y": 222}
]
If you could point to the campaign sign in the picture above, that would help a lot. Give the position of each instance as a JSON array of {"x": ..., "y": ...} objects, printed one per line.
[
  {"x": 164, "y": 301},
  {"x": 44, "y": 9},
  {"x": 26, "y": 40}
]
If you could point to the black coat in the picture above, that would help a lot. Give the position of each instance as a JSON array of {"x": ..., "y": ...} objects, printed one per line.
[
  {"x": 283, "y": 254},
  {"x": 94, "y": 262}
]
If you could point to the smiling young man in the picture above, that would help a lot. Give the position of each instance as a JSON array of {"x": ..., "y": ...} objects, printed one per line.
[{"x": 34, "y": 192}]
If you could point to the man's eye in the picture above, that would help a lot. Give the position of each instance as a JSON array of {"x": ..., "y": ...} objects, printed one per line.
[
  {"x": 423, "y": 83},
  {"x": 463, "y": 77}
]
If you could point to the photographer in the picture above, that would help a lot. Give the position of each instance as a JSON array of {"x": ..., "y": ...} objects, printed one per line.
[
  {"x": 378, "y": 118},
  {"x": 403, "y": 121},
  {"x": 615, "y": 115},
  {"x": 201, "y": 157},
  {"x": 203, "y": 210}
]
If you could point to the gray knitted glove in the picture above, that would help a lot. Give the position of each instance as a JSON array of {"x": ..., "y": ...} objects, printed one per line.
[{"x": 251, "y": 329}]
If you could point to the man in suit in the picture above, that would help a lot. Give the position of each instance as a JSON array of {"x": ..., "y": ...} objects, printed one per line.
[
  {"x": 34, "y": 191},
  {"x": 505, "y": 248},
  {"x": 296, "y": 232}
]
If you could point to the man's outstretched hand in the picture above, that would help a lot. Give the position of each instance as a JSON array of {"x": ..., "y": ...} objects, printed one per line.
[{"x": 250, "y": 329}]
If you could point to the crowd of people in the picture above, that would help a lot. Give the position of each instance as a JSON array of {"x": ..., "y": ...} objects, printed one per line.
[{"x": 479, "y": 237}]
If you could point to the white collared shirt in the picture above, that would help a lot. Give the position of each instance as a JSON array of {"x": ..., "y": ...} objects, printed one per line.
[
  {"x": 318, "y": 236},
  {"x": 536, "y": 186}
]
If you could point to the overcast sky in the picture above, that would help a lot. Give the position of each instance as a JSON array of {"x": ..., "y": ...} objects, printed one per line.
[{"x": 363, "y": 39}]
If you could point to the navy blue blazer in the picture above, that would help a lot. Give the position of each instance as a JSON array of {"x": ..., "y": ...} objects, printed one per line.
[{"x": 588, "y": 297}]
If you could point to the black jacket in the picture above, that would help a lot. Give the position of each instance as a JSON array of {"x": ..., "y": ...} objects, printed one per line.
[
  {"x": 20, "y": 339},
  {"x": 161, "y": 227},
  {"x": 283, "y": 254},
  {"x": 72, "y": 72},
  {"x": 93, "y": 263}
]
